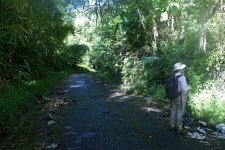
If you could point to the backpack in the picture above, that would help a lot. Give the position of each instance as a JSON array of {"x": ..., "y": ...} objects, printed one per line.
[{"x": 172, "y": 88}]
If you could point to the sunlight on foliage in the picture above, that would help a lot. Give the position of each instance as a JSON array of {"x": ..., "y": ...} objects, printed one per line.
[
  {"x": 209, "y": 104},
  {"x": 31, "y": 83},
  {"x": 141, "y": 49}
]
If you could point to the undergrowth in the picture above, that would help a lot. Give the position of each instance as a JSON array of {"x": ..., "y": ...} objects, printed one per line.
[{"x": 17, "y": 100}]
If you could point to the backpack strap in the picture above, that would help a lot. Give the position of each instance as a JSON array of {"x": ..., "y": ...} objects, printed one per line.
[{"x": 178, "y": 76}]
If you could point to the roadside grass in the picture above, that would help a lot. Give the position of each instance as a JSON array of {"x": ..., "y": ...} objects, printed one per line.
[
  {"x": 209, "y": 105},
  {"x": 18, "y": 100},
  {"x": 205, "y": 105}
]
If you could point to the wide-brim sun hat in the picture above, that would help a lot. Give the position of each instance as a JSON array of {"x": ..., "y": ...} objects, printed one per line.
[{"x": 178, "y": 66}]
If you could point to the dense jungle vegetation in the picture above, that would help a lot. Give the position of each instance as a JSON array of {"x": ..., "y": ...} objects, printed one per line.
[
  {"x": 33, "y": 53},
  {"x": 133, "y": 42},
  {"x": 139, "y": 41}
]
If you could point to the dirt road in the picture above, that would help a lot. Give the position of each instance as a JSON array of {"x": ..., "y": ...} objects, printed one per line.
[
  {"x": 103, "y": 118},
  {"x": 88, "y": 114}
]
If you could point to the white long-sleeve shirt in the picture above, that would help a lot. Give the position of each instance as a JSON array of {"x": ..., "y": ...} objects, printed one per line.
[{"x": 182, "y": 83}]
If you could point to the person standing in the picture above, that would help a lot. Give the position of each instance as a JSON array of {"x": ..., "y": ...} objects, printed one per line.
[{"x": 178, "y": 105}]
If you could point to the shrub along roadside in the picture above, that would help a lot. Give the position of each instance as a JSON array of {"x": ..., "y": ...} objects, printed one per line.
[{"x": 15, "y": 101}]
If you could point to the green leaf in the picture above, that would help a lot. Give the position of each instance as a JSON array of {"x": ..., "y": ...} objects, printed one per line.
[
  {"x": 27, "y": 65},
  {"x": 151, "y": 59}
]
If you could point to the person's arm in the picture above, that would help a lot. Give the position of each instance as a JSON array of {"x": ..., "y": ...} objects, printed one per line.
[{"x": 183, "y": 84}]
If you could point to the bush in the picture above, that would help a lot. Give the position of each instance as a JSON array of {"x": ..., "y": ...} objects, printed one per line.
[
  {"x": 134, "y": 80},
  {"x": 208, "y": 103},
  {"x": 16, "y": 100},
  {"x": 107, "y": 61}
]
